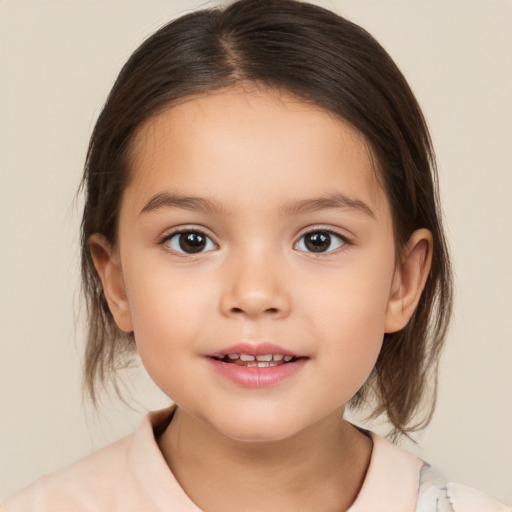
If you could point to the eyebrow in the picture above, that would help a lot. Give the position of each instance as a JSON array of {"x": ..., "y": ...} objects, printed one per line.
[
  {"x": 170, "y": 200},
  {"x": 332, "y": 201},
  {"x": 328, "y": 202}
]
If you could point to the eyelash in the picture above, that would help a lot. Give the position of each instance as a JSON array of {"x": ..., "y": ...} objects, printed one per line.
[
  {"x": 344, "y": 241},
  {"x": 176, "y": 234}
]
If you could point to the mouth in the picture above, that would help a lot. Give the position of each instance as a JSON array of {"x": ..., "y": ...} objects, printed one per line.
[
  {"x": 256, "y": 361},
  {"x": 256, "y": 365}
]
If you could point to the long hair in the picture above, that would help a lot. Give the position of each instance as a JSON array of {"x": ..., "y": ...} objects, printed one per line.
[{"x": 328, "y": 61}]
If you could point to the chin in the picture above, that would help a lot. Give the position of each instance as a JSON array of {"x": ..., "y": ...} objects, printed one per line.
[{"x": 249, "y": 429}]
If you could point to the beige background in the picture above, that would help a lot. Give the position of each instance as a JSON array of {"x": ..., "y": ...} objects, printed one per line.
[{"x": 58, "y": 60}]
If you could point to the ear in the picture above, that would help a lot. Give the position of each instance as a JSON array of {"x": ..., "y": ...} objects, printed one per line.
[
  {"x": 409, "y": 280},
  {"x": 107, "y": 262}
]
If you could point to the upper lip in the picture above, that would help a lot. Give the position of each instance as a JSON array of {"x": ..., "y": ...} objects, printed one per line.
[{"x": 254, "y": 349}]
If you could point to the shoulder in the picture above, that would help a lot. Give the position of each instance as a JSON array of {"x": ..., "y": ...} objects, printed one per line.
[
  {"x": 436, "y": 494},
  {"x": 397, "y": 481},
  {"x": 80, "y": 486},
  {"x": 128, "y": 475},
  {"x": 466, "y": 499}
]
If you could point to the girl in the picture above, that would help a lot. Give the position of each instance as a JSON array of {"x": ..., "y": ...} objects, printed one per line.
[{"x": 261, "y": 223}]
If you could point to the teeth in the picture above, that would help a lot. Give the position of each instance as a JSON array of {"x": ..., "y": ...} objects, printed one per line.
[
  {"x": 267, "y": 357},
  {"x": 262, "y": 360}
]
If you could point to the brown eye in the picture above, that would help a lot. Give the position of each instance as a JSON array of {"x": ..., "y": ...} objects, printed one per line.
[
  {"x": 190, "y": 242},
  {"x": 320, "y": 241}
]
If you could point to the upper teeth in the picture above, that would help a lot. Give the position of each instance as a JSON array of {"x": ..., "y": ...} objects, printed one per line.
[{"x": 262, "y": 358}]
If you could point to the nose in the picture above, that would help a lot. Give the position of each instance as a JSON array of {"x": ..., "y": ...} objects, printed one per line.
[{"x": 255, "y": 287}]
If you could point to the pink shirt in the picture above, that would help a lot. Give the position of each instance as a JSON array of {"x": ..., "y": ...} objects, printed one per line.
[{"x": 131, "y": 475}]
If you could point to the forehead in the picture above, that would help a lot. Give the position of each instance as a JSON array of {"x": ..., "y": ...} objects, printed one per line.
[{"x": 259, "y": 140}]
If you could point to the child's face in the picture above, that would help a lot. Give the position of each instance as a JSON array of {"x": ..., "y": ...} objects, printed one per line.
[{"x": 267, "y": 178}]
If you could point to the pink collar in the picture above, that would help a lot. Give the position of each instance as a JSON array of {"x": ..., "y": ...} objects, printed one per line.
[
  {"x": 390, "y": 485},
  {"x": 392, "y": 481}
]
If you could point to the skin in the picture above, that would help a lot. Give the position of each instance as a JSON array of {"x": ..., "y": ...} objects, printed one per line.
[{"x": 256, "y": 154}]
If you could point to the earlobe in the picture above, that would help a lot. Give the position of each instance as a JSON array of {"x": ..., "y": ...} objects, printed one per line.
[
  {"x": 108, "y": 265},
  {"x": 409, "y": 280}
]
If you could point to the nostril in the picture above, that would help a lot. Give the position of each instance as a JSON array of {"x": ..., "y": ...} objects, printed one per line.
[
  {"x": 271, "y": 311},
  {"x": 252, "y": 304}
]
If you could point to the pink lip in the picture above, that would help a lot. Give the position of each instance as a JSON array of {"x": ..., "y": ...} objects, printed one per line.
[
  {"x": 255, "y": 377},
  {"x": 254, "y": 349}
]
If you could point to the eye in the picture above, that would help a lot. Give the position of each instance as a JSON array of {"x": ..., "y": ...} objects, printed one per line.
[
  {"x": 320, "y": 241},
  {"x": 189, "y": 242}
]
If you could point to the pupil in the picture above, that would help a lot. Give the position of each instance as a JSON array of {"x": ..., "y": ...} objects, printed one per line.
[
  {"x": 192, "y": 242},
  {"x": 318, "y": 242}
]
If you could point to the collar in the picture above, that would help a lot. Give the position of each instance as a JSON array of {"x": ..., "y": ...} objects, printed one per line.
[
  {"x": 390, "y": 485},
  {"x": 391, "y": 482},
  {"x": 148, "y": 466}
]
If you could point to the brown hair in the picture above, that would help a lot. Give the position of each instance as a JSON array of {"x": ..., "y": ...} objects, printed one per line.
[{"x": 321, "y": 58}]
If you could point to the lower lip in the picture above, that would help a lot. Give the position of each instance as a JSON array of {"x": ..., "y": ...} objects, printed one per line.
[{"x": 254, "y": 377}]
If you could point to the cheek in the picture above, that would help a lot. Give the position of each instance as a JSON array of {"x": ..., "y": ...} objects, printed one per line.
[
  {"x": 164, "y": 300},
  {"x": 169, "y": 317},
  {"x": 352, "y": 318}
]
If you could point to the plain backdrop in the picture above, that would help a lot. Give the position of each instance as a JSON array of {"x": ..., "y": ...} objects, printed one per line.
[{"x": 58, "y": 60}]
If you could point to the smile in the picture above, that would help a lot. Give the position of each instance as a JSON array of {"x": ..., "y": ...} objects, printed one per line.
[
  {"x": 259, "y": 361},
  {"x": 256, "y": 365}
]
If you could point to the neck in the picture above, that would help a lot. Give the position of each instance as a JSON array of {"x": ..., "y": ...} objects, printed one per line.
[{"x": 322, "y": 467}]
